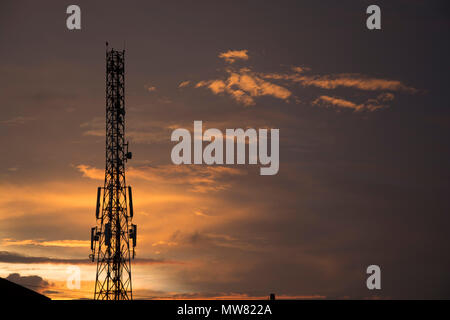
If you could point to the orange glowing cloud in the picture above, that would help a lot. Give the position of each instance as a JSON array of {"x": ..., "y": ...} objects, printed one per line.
[
  {"x": 370, "y": 105},
  {"x": 347, "y": 80},
  {"x": 184, "y": 84},
  {"x": 244, "y": 85},
  {"x": 200, "y": 178},
  {"x": 56, "y": 243},
  {"x": 232, "y": 55}
]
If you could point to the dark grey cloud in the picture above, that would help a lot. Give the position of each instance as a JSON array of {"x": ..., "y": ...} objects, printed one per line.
[
  {"x": 35, "y": 283},
  {"x": 13, "y": 257},
  {"x": 51, "y": 292}
]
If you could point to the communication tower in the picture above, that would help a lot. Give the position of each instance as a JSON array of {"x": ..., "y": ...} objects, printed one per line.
[{"x": 113, "y": 240}]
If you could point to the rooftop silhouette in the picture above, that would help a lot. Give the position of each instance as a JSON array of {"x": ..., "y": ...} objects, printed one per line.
[{"x": 12, "y": 291}]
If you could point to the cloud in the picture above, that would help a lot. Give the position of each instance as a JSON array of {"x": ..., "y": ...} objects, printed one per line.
[
  {"x": 47, "y": 292},
  {"x": 35, "y": 283},
  {"x": 197, "y": 178},
  {"x": 386, "y": 96},
  {"x": 152, "y": 132},
  {"x": 232, "y": 55},
  {"x": 200, "y": 213},
  {"x": 244, "y": 85},
  {"x": 19, "y": 120},
  {"x": 13, "y": 257},
  {"x": 216, "y": 86},
  {"x": 91, "y": 172},
  {"x": 137, "y": 136},
  {"x": 43, "y": 243},
  {"x": 354, "y": 81},
  {"x": 140, "y": 132},
  {"x": 347, "y": 80},
  {"x": 342, "y": 103},
  {"x": 300, "y": 69},
  {"x": 184, "y": 84},
  {"x": 164, "y": 243}
]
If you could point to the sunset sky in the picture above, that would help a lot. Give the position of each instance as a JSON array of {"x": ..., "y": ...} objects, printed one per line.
[{"x": 364, "y": 123}]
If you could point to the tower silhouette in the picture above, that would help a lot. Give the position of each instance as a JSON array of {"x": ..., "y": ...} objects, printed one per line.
[{"x": 110, "y": 239}]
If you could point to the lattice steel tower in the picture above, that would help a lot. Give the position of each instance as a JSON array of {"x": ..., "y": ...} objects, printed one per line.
[{"x": 110, "y": 239}]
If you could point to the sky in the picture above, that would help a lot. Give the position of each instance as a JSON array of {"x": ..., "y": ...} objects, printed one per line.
[{"x": 363, "y": 117}]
